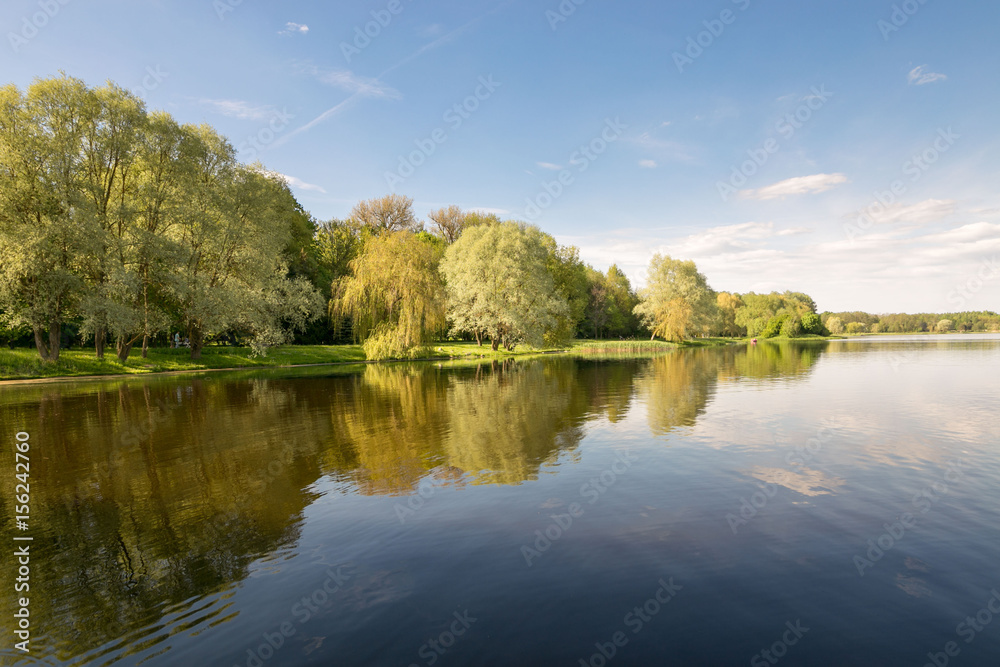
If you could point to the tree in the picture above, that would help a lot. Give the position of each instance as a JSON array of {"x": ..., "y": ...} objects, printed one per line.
[
  {"x": 569, "y": 276},
  {"x": 677, "y": 300},
  {"x": 728, "y": 304},
  {"x": 856, "y": 327},
  {"x": 835, "y": 325},
  {"x": 230, "y": 240},
  {"x": 385, "y": 215},
  {"x": 813, "y": 324},
  {"x": 499, "y": 285},
  {"x": 622, "y": 301},
  {"x": 395, "y": 295},
  {"x": 449, "y": 223},
  {"x": 944, "y": 325},
  {"x": 43, "y": 239}
]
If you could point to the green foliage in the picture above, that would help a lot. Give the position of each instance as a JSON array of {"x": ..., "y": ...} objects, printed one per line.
[
  {"x": 677, "y": 301},
  {"x": 500, "y": 286},
  {"x": 813, "y": 324},
  {"x": 129, "y": 224},
  {"x": 395, "y": 295},
  {"x": 856, "y": 327}
]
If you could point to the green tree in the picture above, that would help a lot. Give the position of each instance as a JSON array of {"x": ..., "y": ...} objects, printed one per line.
[
  {"x": 499, "y": 285},
  {"x": 569, "y": 276},
  {"x": 835, "y": 325},
  {"x": 677, "y": 301},
  {"x": 728, "y": 304},
  {"x": 395, "y": 295},
  {"x": 813, "y": 324},
  {"x": 43, "y": 240}
]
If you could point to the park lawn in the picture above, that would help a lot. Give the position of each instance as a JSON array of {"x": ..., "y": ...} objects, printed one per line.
[{"x": 24, "y": 363}]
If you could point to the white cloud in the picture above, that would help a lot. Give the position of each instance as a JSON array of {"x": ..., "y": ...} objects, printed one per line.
[
  {"x": 874, "y": 272},
  {"x": 930, "y": 210},
  {"x": 240, "y": 109},
  {"x": 296, "y": 183},
  {"x": 354, "y": 84},
  {"x": 549, "y": 166},
  {"x": 648, "y": 164},
  {"x": 800, "y": 185},
  {"x": 919, "y": 76},
  {"x": 294, "y": 28}
]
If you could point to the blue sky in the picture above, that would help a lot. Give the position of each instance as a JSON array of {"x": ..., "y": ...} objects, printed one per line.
[{"x": 756, "y": 138}]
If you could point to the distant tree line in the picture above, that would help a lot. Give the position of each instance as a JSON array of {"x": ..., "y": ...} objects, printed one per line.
[{"x": 859, "y": 322}]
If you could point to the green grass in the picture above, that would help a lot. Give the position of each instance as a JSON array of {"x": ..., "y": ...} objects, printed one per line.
[{"x": 24, "y": 363}]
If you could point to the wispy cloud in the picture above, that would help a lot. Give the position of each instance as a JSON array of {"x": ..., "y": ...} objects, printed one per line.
[
  {"x": 352, "y": 83},
  {"x": 239, "y": 109},
  {"x": 296, "y": 183},
  {"x": 801, "y": 185},
  {"x": 648, "y": 164},
  {"x": 549, "y": 166},
  {"x": 930, "y": 210},
  {"x": 919, "y": 76},
  {"x": 294, "y": 29}
]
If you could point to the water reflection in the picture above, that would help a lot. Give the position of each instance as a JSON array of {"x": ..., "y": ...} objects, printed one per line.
[{"x": 151, "y": 498}]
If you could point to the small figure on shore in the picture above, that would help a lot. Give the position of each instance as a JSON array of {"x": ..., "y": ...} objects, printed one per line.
[
  {"x": 753, "y": 342},
  {"x": 177, "y": 340}
]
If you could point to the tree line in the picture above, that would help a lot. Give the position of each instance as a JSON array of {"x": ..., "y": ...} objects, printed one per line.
[
  {"x": 126, "y": 224},
  {"x": 122, "y": 226}
]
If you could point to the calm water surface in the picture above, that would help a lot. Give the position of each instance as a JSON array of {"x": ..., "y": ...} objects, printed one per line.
[{"x": 829, "y": 503}]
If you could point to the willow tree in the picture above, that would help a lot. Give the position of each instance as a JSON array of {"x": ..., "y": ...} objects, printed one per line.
[
  {"x": 230, "y": 237},
  {"x": 677, "y": 300},
  {"x": 43, "y": 236},
  {"x": 394, "y": 295},
  {"x": 500, "y": 286}
]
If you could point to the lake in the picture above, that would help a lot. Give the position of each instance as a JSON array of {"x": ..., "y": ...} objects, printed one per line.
[{"x": 815, "y": 503}]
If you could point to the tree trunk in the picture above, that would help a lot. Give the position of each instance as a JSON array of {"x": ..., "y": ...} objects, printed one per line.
[
  {"x": 43, "y": 349},
  {"x": 479, "y": 338},
  {"x": 496, "y": 344},
  {"x": 100, "y": 339},
  {"x": 194, "y": 335},
  {"x": 145, "y": 346},
  {"x": 653, "y": 337},
  {"x": 55, "y": 339},
  {"x": 123, "y": 347}
]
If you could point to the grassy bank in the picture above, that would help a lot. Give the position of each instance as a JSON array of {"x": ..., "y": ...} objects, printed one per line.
[{"x": 24, "y": 363}]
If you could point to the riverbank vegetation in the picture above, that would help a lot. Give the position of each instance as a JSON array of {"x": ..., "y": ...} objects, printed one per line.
[{"x": 120, "y": 226}]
